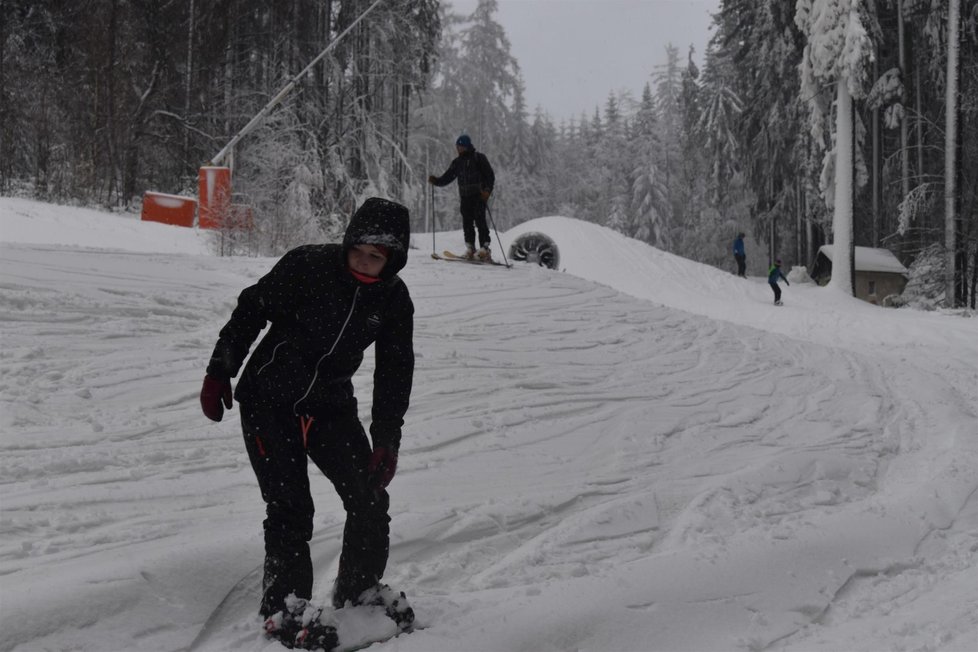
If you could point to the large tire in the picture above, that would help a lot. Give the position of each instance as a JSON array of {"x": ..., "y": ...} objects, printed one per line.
[{"x": 535, "y": 248}]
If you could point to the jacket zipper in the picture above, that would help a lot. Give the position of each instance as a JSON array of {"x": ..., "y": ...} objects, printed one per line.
[
  {"x": 353, "y": 305},
  {"x": 274, "y": 351}
]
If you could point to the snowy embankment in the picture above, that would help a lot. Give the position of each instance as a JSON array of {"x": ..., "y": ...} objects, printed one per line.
[{"x": 638, "y": 454}]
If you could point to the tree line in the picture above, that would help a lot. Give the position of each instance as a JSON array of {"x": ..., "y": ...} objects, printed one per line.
[{"x": 101, "y": 100}]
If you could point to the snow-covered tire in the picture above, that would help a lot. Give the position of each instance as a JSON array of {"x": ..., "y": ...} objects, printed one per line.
[{"x": 536, "y": 248}]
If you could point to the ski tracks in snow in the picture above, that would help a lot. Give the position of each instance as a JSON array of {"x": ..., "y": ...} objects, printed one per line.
[
  {"x": 104, "y": 456},
  {"x": 640, "y": 467},
  {"x": 590, "y": 429}
]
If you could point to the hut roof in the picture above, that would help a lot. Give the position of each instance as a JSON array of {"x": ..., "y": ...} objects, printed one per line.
[{"x": 869, "y": 259}]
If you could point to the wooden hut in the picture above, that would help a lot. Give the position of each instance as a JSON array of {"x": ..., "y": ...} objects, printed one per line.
[{"x": 879, "y": 273}]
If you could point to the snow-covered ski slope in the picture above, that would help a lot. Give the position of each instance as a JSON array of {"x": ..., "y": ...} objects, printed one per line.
[{"x": 639, "y": 453}]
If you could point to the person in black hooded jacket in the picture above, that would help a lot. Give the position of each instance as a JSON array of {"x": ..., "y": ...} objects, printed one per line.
[
  {"x": 476, "y": 181},
  {"x": 326, "y": 305}
]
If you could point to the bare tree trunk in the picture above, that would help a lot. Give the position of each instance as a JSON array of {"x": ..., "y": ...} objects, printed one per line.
[
  {"x": 228, "y": 68},
  {"x": 362, "y": 88},
  {"x": 188, "y": 84},
  {"x": 950, "y": 153},
  {"x": 902, "y": 59},
  {"x": 974, "y": 278},
  {"x": 875, "y": 185},
  {"x": 113, "y": 164},
  {"x": 809, "y": 235},
  {"x": 5, "y": 113},
  {"x": 406, "y": 112},
  {"x": 919, "y": 105},
  {"x": 798, "y": 220}
]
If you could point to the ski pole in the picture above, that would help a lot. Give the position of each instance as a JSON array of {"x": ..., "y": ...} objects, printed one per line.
[
  {"x": 432, "y": 207},
  {"x": 496, "y": 231}
]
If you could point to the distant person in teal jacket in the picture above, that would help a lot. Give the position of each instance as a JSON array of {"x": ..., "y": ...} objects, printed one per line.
[
  {"x": 740, "y": 255},
  {"x": 773, "y": 275}
]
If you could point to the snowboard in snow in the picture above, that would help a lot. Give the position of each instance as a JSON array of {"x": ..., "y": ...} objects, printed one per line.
[
  {"x": 453, "y": 257},
  {"x": 361, "y": 626},
  {"x": 236, "y": 625}
]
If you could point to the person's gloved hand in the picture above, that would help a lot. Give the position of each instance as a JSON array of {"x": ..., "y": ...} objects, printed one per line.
[
  {"x": 485, "y": 195},
  {"x": 215, "y": 392},
  {"x": 381, "y": 468},
  {"x": 431, "y": 178}
]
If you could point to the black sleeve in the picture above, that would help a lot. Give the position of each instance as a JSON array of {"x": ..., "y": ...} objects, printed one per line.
[
  {"x": 257, "y": 305},
  {"x": 449, "y": 175},
  {"x": 488, "y": 175},
  {"x": 393, "y": 373}
]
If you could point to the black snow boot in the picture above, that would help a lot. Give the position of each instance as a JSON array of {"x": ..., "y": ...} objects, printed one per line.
[
  {"x": 395, "y": 605},
  {"x": 298, "y": 627}
]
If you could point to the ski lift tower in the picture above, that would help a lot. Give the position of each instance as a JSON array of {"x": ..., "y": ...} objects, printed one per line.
[{"x": 214, "y": 179}]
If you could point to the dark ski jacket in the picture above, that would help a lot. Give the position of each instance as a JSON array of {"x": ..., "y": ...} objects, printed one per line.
[
  {"x": 774, "y": 273},
  {"x": 473, "y": 172},
  {"x": 322, "y": 320},
  {"x": 738, "y": 247}
]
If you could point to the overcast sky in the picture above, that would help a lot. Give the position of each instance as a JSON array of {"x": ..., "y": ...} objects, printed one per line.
[{"x": 574, "y": 52}]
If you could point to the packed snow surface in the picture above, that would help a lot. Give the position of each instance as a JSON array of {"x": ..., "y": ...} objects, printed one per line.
[{"x": 635, "y": 453}]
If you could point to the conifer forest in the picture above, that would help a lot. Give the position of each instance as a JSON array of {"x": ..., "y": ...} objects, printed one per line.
[{"x": 102, "y": 100}]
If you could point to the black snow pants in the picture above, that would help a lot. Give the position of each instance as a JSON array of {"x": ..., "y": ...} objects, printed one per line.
[
  {"x": 474, "y": 217},
  {"x": 278, "y": 443},
  {"x": 741, "y": 264},
  {"x": 777, "y": 291}
]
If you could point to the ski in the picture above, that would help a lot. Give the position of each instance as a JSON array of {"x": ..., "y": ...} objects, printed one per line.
[{"x": 455, "y": 258}]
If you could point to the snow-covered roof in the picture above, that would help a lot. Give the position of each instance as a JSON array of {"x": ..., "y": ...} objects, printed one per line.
[{"x": 869, "y": 259}]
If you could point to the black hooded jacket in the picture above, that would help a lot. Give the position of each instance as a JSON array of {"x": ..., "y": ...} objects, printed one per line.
[
  {"x": 473, "y": 172},
  {"x": 322, "y": 320}
]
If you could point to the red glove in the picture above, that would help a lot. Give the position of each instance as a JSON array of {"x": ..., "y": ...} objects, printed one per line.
[
  {"x": 212, "y": 394},
  {"x": 485, "y": 195},
  {"x": 381, "y": 468}
]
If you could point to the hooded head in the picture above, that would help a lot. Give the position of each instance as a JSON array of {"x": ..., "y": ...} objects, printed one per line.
[
  {"x": 384, "y": 224},
  {"x": 464, "y": 141}
]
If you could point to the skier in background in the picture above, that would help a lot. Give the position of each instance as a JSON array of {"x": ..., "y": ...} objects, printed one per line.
[
  {"x": 773, "y": 274},
  {"x": 326, "y": 304},
  {"x": 740, "y": 256},
  {"x": 475, "y": 183}
]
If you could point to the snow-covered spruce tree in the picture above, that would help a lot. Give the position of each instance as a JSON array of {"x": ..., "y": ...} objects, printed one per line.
[
  {"x": 615, "y": 155},
  {"x": 727, "y": 209},
  {"x": 486, "y": 78},
  {"x": 757, "y": 49},
  {"x": 698, "y": 217},
  {"x": 517, "y": 155},
  {"x": 567, "y": 169},
  {"x": 720, "y": 113},
  {"x": 668, "y": 94},
  {"x": 838, "y": 51},
  {"x": 650, "y": 204},
  {"x": 513, "y": 166},
  {"x": 473, "y": 79},
  {"x": 545, "y": 143}
]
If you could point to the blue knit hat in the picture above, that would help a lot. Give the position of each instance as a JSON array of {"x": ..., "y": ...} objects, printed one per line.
[{"x": 464, "y": 141}]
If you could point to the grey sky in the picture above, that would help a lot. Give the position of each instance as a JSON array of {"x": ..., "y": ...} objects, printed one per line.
[{"x": 574, "y": 52}]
